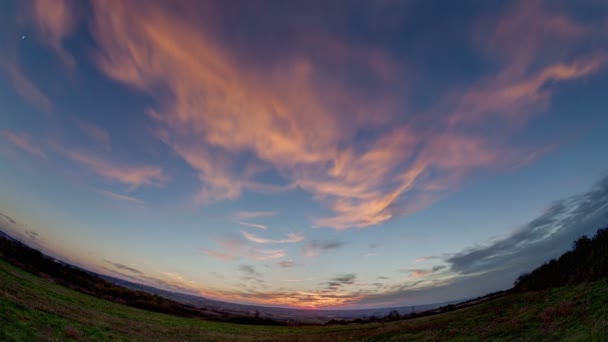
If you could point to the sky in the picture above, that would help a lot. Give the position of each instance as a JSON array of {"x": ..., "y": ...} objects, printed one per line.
[{"x": 306, "y": 154}]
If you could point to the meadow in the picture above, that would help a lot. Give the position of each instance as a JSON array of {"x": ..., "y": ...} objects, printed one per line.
[{"x": 36, "y": 309}]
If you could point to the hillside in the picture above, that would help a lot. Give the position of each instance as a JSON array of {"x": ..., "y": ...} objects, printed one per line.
[
  {"x": 36, "y": 309},
  {"x": 564, "y": 299}
]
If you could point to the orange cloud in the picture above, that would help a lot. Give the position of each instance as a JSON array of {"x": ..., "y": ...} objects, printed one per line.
[
  {"x": 219, "y": 113},
  {"x": 535, "y": 46},
  {"x": 23, "y": 141},
  {"x": 419, "y": 273}
]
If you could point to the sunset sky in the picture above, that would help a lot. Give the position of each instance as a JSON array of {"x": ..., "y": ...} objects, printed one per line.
[{"x": 313, "y": 154}]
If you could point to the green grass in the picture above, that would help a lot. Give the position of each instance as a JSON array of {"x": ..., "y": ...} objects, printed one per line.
[{"x": 35, "y": 309}]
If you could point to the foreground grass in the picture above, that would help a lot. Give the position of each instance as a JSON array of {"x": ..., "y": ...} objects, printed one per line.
[{"x": 35, "y": 309}]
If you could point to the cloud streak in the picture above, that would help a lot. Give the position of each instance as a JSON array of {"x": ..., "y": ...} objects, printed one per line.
[
  {"x": 291, "y": 238},
  {"x": 23, "y": 141},
  {"x": 315, "y": 248},
  {"x": 133, "y": 176}
]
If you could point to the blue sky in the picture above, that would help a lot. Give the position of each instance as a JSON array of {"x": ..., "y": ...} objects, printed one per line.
[{"x": 305, "y": 154}]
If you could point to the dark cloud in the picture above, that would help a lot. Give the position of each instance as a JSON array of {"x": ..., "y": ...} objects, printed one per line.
[
  {"x": 340, "y": 280},
  {"x": 32, "y": 235},
  {"x": 382, "y": 278},
  {"x": 314, "y": 248},
  {"x": 287, "y": 264},
  {"x": 249, "y": 271},
  {"x": 119, "y": 266},
  {"x": 438, "y": 268},
  {"x": 485, "y": 269},
  {"x": 10, "y": 219},
  {"x": 375, "y": 245},
  {"x": 141, "y": 278},
  {"x": 542, "y": 238}
]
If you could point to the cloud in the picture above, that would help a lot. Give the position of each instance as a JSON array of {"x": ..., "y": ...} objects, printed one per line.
[
  {"x": 426, "y": 258},
  {"x": 10, "y": 219},
  {"x": 540, "y": 239},
  {"x": 170, "y": 280},
  {"x": 382, "y": 278},
  {"x": 419, "y": 273},
  {"x": 119, "y": 266},
  {"x": 245, "y": 215},
  {"x": 232, "y": 249},
  {"x": 23, "y": 141},
  {"x": 265, "y": 254},
  {"x": 253, "y": 225},
  {"x": 99, "y": 135},
  {"x": 249, "y": 270},
  {"x": 338, "y": 281},
  {"x": 54, "y": 22},
  {"x": 438, "y": 268},
  {"x": 118, "y": 196},
  {"x": 291, "y": 238},
  {"x": 26, "y": 89},
  {"x": 32, "y": 235},
  {"x": 496, "y": 265},
  {"x": 132, "y": 175},
  {"x": 218, "y": 255},
  {"x": 239, "y": 216},
  {"x": 314, "y": 248},
  {"x": 219, "y": 113},
  {"x": 287, "y": 263}
]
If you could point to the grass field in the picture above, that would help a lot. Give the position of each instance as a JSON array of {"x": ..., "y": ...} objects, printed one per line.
[{"x": 35, "y": 309}]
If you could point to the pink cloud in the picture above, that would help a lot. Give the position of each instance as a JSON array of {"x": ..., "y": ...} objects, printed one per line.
[
  {"x": 98, "y": 135},
  {"x": 23, "y": 141},
  {"x": 55, "y": 21},
  {"x": 133, "y": 176},
  {"x": 291, "y": 238}
]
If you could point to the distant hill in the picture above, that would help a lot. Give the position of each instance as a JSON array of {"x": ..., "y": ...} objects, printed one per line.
[{"x": 180, "y": 304}]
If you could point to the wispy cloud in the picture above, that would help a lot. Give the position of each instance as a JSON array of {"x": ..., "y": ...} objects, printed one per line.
[
  {"x": 287, "y": 263},
  {"x": 246, "y": 215},
  {"x": 541, "y": 238},
  {"x": 218, "y": 255},
  {"x": 120, "y": 266},
  {"x": 291, "y": 117},
  {"x": 338, "y": 281},
  {"x": 249, "y": 270},
  {"x": 27, "y": 89},
  {"x": 253, "y": 225},
  {"x": 314, "y": 248},
  {"x": 232, "y": 249},
  {"x": 97, "y": 134},
  {"x": 132, "y": 175},
  {"x": 240, "y": 217},
  {"x": 291, "y": 238},
  {"x": 225, "y": 118},
  {"x": 24, "y": 142},
  {"x": 118, "y": 196},
  {"x": 55, "y": 21}
]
